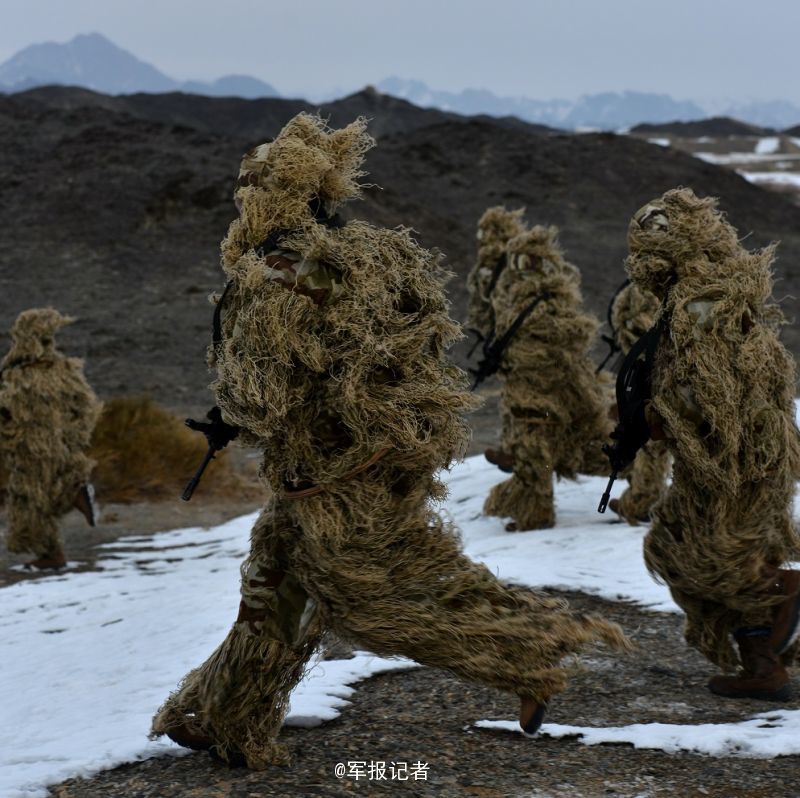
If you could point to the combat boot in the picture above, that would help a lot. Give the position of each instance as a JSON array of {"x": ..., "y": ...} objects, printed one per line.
[
  {"x": 85, "y": 502},
  {"x": 503, "y": 460},
  {"x": 181, "y": 734},
  {"x": 615, "y": 505},
  {"x": 762, "y": 676},
  {"x": 786, "y": 619},
  {"x": 48, "y": 562},
  {"x": 531, "y": 714}
]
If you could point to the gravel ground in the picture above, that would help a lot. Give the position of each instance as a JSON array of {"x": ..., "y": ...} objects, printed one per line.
[{"x": 426, "y": 716}]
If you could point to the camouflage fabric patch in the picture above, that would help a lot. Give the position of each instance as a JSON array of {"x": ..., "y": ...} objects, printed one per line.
[
  {"x": 274, "y": 604},
  {"x": 318, "y": 281}
]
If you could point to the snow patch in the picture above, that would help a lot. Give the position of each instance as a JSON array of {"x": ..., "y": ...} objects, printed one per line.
[
  {"x": 764, "y": 736},
  {"x": 767, "y": 145}
]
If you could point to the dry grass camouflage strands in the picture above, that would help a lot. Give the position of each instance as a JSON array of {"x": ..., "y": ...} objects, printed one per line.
[
  {"x": 724, "y": 390},
  {"x": 321, "y": 384},
  {"x": 47, "y": 414},
  {"x": 554, "y": 406},
  {"x": 632, "y": 315},
  {"x": 496, "y": 228}
]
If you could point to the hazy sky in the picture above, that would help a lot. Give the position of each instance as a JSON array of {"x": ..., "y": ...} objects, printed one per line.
[{"x": 693, "y": 49}]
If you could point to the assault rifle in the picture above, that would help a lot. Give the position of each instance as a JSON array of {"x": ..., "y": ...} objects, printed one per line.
[
  {"x": 218, "y": 434},
  {"x": 633, "y": 391}
]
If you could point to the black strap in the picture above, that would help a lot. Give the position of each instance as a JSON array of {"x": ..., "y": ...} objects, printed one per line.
[
  {"x": 499, "y": 266},
  {"x": 613, "y": 343},
  {"x": 647, "y": 345},
  {"x": 216, "y": 336},
  {"x": 493, "y": 348}
]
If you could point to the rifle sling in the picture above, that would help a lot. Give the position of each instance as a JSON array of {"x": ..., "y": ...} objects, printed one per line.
[
  {"x": 646, "y": 344},
  {"x": 500, "y": 345},
  {"x": 496, "y": 272}
]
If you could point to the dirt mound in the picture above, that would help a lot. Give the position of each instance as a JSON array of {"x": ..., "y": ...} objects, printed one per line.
[
  {"x": 117, "y": 219},
  {"x": 715, "y": 126},
  {"x": 251, "y": 120}
]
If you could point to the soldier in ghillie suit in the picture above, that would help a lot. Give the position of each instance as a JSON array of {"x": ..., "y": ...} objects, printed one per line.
[
  {"x": 723, "y": 390},
  {"x": 330, "y": 359},
  {"x": 555, "y": 408},
  {"x": 496, "y": 228},
  {"x": 47, "y": 414},
  {"x": 633, "y": 313}
]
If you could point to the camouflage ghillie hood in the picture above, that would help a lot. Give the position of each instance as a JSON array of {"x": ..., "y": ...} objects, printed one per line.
[
  {"x": 536, "y": 266},
  {"x": 680, "y": 235},
  {"x": 536, "y": 255},
  {"x": 333, "y": 335},
  {"x": 495, "y": 228},
  {"x": 33, "y": 336},
  {"x": 306, "y": 168}
]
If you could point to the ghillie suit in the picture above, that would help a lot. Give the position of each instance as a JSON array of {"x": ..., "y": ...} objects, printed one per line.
[
  {"x": 331, "y": 360},
  {"x": 555, "y": 408},
  {"x": 633, "y": 313},
  {"x": 496, "y": 228},
  {"x": 723, "y": 390},
  {"x": 47, "y": 414}
]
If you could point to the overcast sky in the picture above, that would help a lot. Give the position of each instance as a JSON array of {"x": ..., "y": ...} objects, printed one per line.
[{"x": 692, "y": 49}]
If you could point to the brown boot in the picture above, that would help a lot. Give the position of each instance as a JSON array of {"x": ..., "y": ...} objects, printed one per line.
[
  {"x": 48, "y": 562},
  {"x": 198, "y": 741},
  {"x": 84, "y": 502},
  {"x": 531, "y": 714},
  {"x": 786, "y": 620},
  {"x": 762, "y": 676},
  {"x": 616, "y": 507},
  {"x": 503, "y": 460}
]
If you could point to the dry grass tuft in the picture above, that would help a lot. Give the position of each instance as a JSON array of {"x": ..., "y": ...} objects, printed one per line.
[{"x": 145, "y": 453}]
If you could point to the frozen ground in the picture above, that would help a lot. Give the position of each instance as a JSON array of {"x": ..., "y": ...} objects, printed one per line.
[{"x": 88, "y": 657}]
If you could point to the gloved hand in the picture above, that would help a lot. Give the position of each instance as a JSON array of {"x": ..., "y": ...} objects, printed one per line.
[{"x": 218, "y": 433}]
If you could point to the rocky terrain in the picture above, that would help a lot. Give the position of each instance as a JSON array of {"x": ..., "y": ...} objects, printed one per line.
[{"x": 112, "y": 209}]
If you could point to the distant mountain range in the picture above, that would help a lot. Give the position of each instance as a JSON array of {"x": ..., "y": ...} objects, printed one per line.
[{"x": 93, "y": 62}]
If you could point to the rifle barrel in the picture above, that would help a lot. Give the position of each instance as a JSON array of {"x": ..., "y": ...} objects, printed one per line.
[
  {"x": 195, "y": 480},
  {"x": 607, "y": 495}
]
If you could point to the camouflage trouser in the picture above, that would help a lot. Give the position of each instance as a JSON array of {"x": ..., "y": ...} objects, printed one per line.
[
  {"x": 527, "y": 497},
  {"x": 39, "y": 492},
  {"x": 273, "y": 603},
  {"x": 387, "y": 574},
  {"x": 717, "y": 554}
]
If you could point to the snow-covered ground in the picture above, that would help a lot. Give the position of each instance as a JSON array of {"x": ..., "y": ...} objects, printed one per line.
[
  {"x": 86, "y": 658},
  {"x": 735, "y": 158},
  {"x": 787, "y": 179},
  {"x": 767, "y": 145}
]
